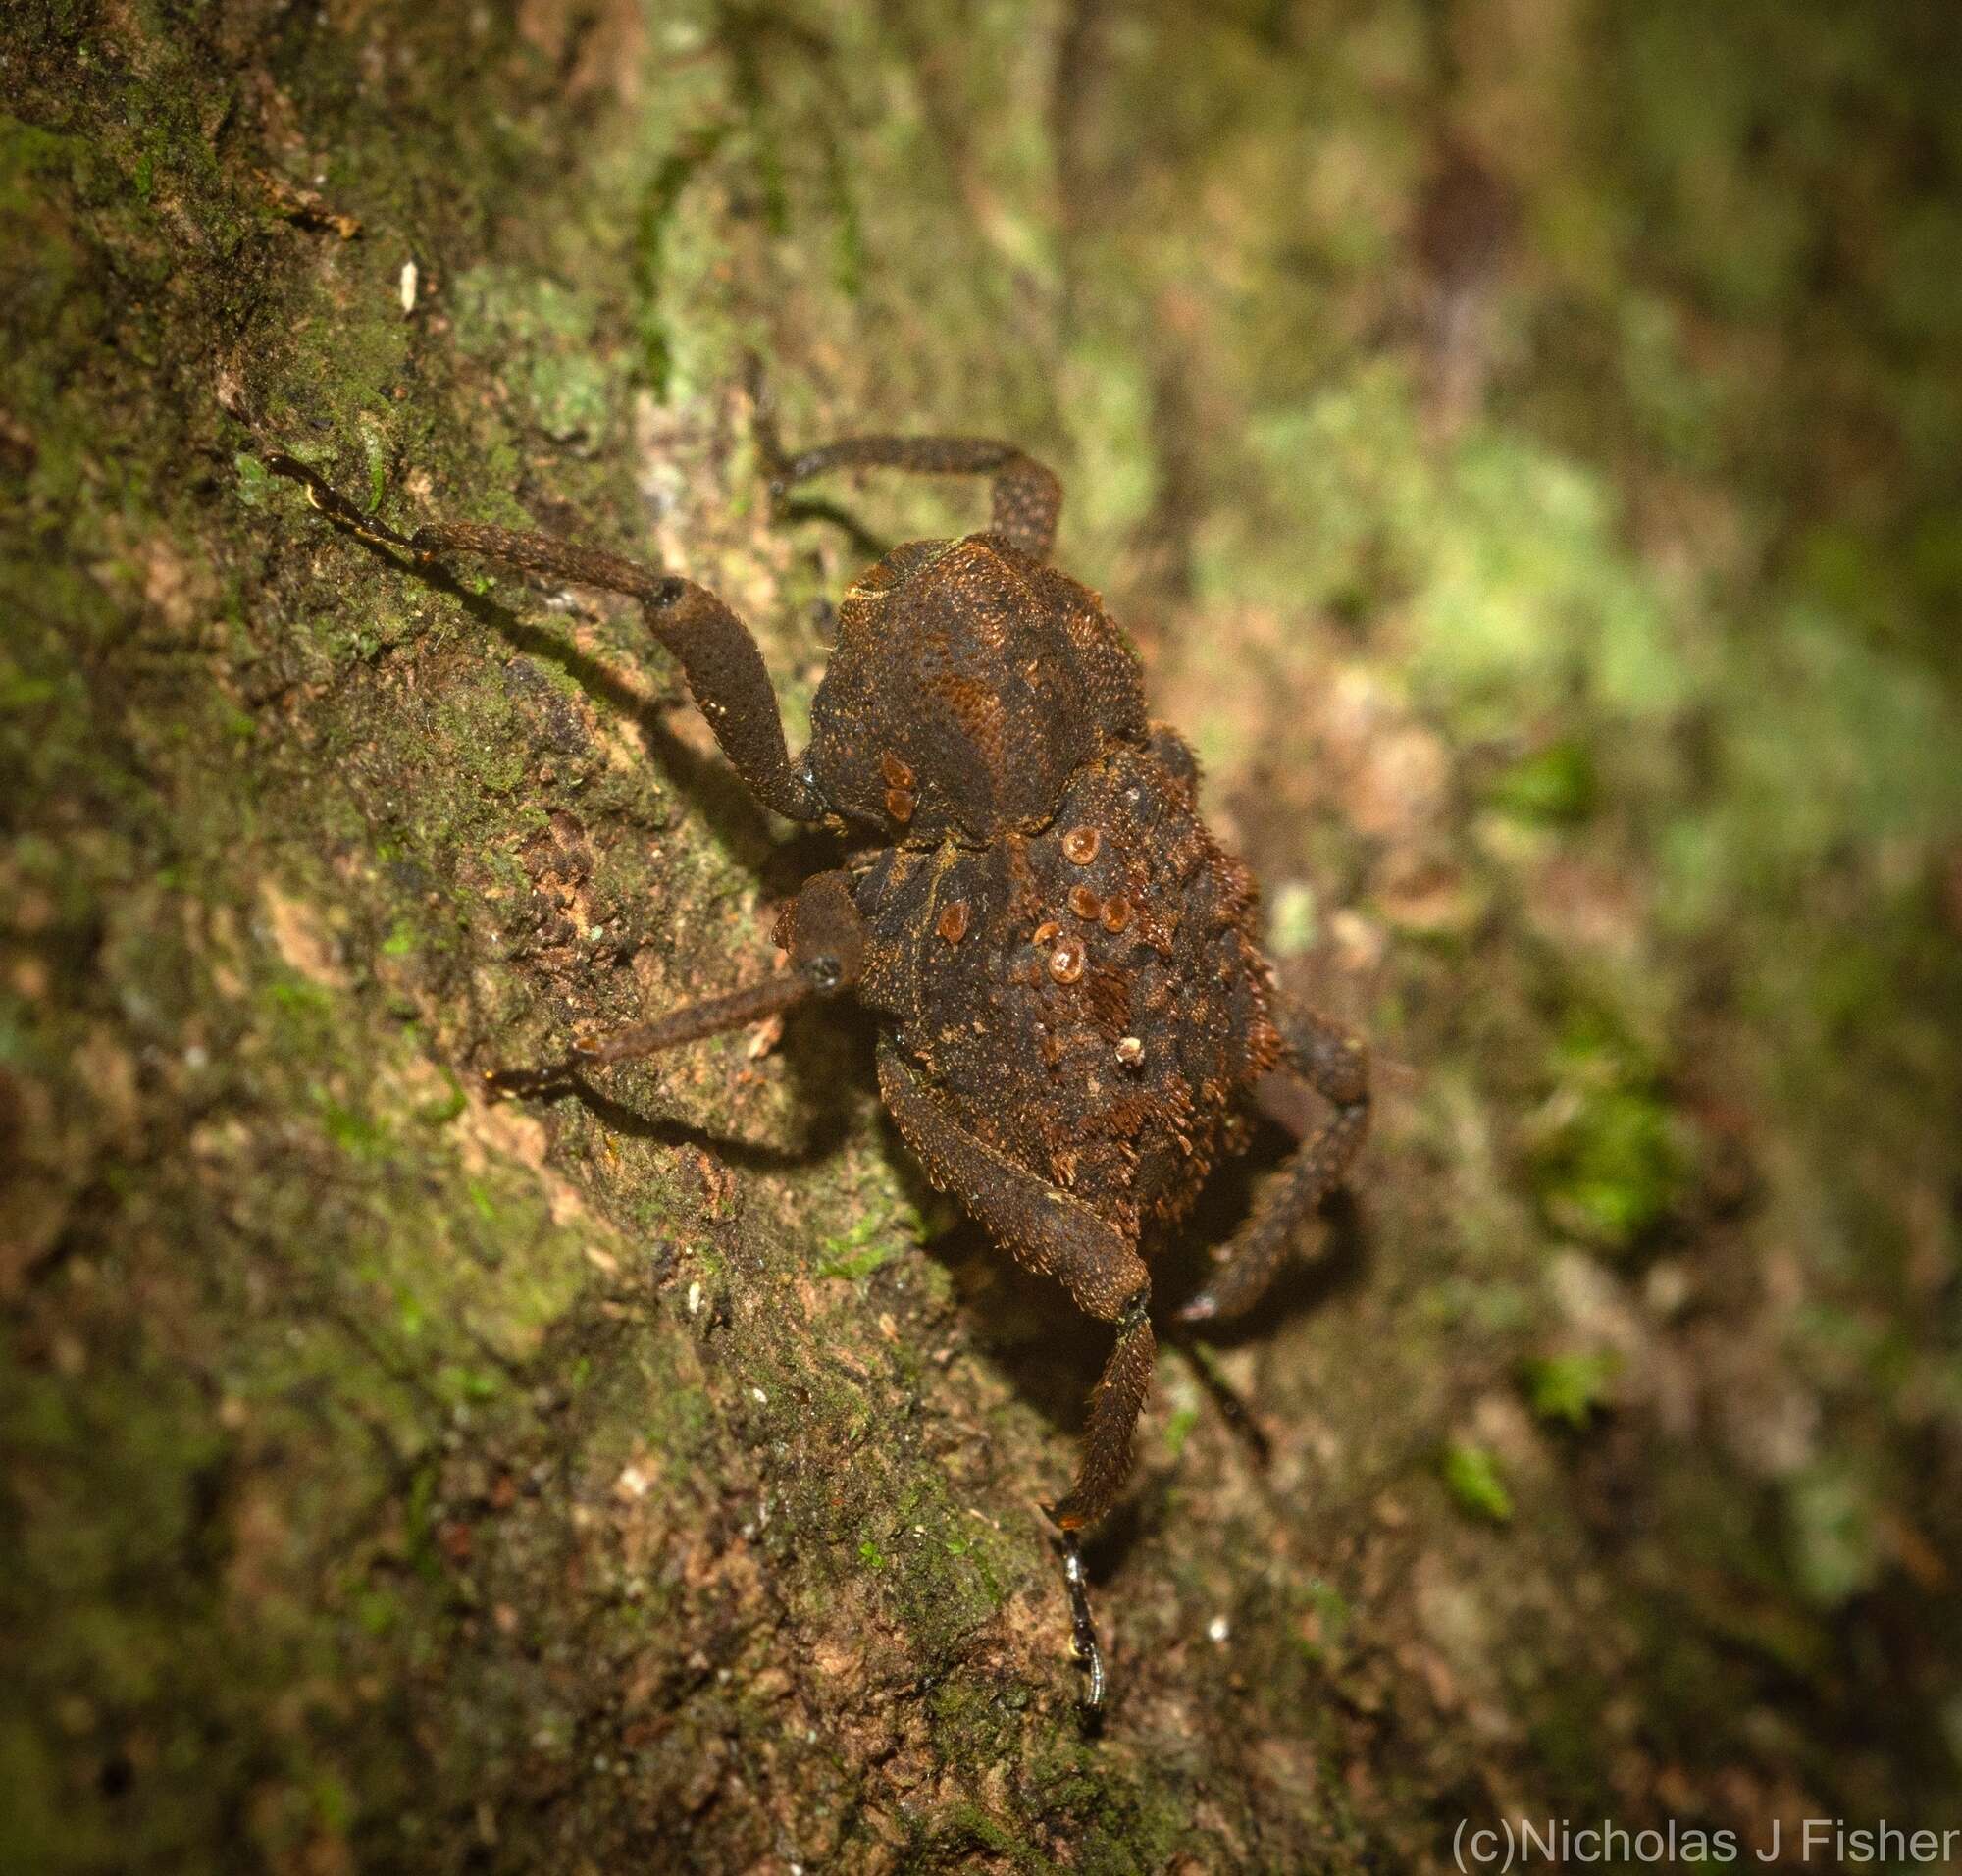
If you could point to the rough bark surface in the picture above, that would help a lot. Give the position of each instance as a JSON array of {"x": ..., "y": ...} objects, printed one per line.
[{"x": 1521, "y": 441}]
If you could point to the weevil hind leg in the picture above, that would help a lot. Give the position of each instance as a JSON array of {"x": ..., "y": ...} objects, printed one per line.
[
  {"x": 1335, "y": 1064},
  {"x": 1083, "y": 1626},
  {"x": 1053, "y": 1234}
]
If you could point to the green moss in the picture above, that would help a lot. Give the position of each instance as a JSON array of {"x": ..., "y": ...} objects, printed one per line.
[
  {"x": 867, "y": 1246},
  {"x": 444, "y": 1109},
  {"x": 546, "y": 332},
  {"x": 1608, "y": 1175},
  {"x": 1609, "y": 1158},
  {"x": 1331, "y": 1617},
  {"x": 1292, "y": 924},
  {"x": 1472, "y": 1476},
  {"x": 1569, "y": 1388},
  {"x": 1835, "y": 1536},
  {"x": 653, "y": 227},
  {"x": 1556, "y": 784},
  {"x": 1178, "y": 1430}
]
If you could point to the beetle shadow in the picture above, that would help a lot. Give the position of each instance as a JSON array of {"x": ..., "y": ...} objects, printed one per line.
[
  {"x": 735, "y": 818},
  {"x": 816, "y": 1063},
  {"x": 869, "y": 547},
  {"x": 707, "y": 781}
]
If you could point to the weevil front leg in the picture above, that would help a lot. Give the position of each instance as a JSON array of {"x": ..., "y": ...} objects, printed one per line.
[
  {"x": 826, "y": 938},
  {"x": 725, "y": 671},
  {"x": 1025, "y": 496}
]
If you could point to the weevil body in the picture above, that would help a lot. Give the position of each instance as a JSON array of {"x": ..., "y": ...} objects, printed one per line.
[{"x": 1077, "y": 1022}]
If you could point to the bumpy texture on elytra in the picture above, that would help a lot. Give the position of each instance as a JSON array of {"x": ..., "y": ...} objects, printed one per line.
[{"x": 1021, "y": 1023}]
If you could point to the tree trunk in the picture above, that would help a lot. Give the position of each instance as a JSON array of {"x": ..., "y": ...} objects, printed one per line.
[{"x": 649, "y": 1477}]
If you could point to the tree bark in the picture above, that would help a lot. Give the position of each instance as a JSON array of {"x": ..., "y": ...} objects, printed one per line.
[{"x": 649, "y": 1477}]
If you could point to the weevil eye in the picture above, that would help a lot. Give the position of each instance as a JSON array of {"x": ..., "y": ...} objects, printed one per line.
[{"x": 825, "y": 972}]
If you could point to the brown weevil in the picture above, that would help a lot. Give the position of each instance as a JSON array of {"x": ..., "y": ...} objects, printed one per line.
[{"x": 1076, "y": 1019}]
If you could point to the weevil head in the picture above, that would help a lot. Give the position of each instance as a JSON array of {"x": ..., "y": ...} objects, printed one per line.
[{"x": 969, "y": 683}]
